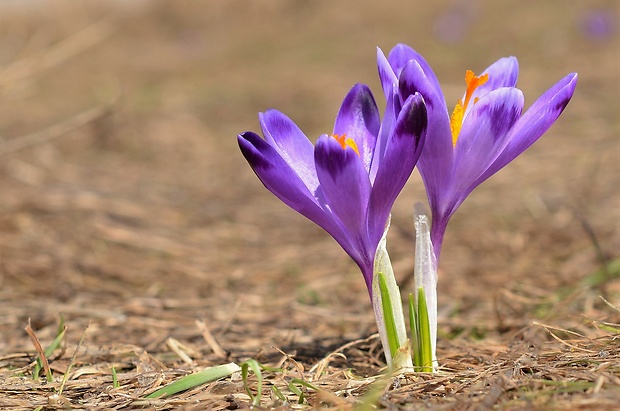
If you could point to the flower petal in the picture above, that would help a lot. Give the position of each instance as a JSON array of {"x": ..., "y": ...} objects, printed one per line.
[
  {"x": 392, "y": 108},
  {"x": 535, "y": 122},
  {"x": 346, "y": 187},
  {"x": 386, "y": 74},
  {"x": 284, "y": 182},
  {"x": 358, "y": 118},
  {"x": 401, "y": 54},
  {"x": 435, "y": 163},
  {"x": 503, "y": 73},
  {"x": 483, "y": 137},
  {"x": 402, "y": 152},
  {"x": 292, "y": 144}
]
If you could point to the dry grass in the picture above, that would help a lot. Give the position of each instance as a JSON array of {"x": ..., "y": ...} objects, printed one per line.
[{"x": 127, "y": 211}]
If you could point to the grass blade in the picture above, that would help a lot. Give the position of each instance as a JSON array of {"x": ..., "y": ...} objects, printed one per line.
[
  {"x": 426, "y": 349},
  {"x": 279, "y": 394},
  {"x": 194, "y": 380},
  {"x": 256, "y": 368},
  {"x": 415, "y": 333},
  {"x": 48, "y": 351},
  {"x": 114, "y": 378},
  {"x": 293, "y": 388},
  {"x": 388, "y": 316}
]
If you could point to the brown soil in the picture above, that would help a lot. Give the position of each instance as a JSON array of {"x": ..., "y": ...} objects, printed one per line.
[{"x": 127, "y": 211}]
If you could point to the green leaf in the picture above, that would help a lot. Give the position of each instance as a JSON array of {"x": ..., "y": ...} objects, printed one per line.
[
  {"x": 256, "y": 368},
  {"x": 415, "y": 333},
  {"x": 388, "y": 308},
  {"x": 114, "y": 378},
  {"x": 296, "y": 391},
  {"x": 426, "y": 350},
  {"x": 278, "y": 393},
  {"x": 388, "y": 316},
  {"x": 370, "y": 400},
  {"x": 194, "y": 380},
  {"x": 609, "y": 272}
]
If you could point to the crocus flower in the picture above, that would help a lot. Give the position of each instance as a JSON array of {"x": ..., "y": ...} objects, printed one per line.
[
  {"x": 485, "y": 132},
  {"x": 348, "y": 182}
]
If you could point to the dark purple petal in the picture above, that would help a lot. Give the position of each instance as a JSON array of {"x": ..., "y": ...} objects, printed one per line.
[
  {"x": 535, "y": 122},
  {"x": 413, "y": 80},
  {"x": 292, "y": 145},
  {"x": 402, "y": 152},
  {"x": 279, "y": 178},
  {"x": 358, "y": 118},
  {"x": 484, "y": 135},
  {"x": 346, "y": 187},
  {"x": 401, "y": 54}
]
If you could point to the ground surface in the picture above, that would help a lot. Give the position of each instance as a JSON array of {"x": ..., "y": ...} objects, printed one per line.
[{"x": 127, "y": 210}]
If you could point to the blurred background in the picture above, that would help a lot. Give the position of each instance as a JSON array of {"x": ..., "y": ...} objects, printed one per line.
[{"x": 124, "y": 200}]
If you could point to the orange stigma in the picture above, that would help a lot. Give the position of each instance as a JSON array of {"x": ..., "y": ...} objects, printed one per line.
[
  {"x": 456, "y": 120},
  {"x": 346, "y": 142}
]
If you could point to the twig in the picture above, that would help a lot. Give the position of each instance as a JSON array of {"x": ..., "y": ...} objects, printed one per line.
[
  {"x": 609, "y": 304},
  {"x": 600, "y": 254},
  {"x": 175, "y": 346},
  {"x": 548, "y": 328},
  {"x": 72, "y": 361},
  {"x": 210, "y": 339},
  {"x": 57, "y": 130},
  {"x": 39, "y": 349},
  {"x": 320, "y": 366},
  {"x": 56, "y": 54}
]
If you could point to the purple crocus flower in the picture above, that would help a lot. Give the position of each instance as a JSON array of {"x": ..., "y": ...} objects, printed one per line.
[
  {"x": 348, "y": 182},
  {"x": 486, "y": 131}
]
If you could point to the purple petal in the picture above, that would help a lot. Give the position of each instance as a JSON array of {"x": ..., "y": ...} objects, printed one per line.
[
  {"x": 279, "y": 178},
  {"x": 413, "y": 80},
  {"x": 535, "y": 122},
  {"x": 402, "y": 152},
  {"x": 387, "y": 125},
  {"x": 358, "y": 118},
  {"x": 435, "y": 164},
  {"x": 401, "y": 54},
  {"x": 484, "y": 135},
  {"x": 386, "y": 74},
  {"x": 503, "y": 73},
  {"x": 292, "y": 145},
  {"x": 346, "y": 187}
]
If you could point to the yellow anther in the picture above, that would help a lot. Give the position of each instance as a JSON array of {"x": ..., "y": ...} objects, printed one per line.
[
  {"x": 456, "y": 120},
  {"x": 346, "y": 142}
]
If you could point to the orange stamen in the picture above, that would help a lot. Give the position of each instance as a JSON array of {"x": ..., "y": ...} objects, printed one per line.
[
  {"x": 346, "y": 142},
  {"x": 456, "y": 120},
  {"x": 473, "y": 83}
]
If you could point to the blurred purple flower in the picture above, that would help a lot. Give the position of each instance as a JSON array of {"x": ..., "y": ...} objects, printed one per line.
[
  {"x": 599, "y": 24},
  {"x": 486, "y": 131},
  {"x": 348, "y": 182},
  {"x": 453, "y": 25}
]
